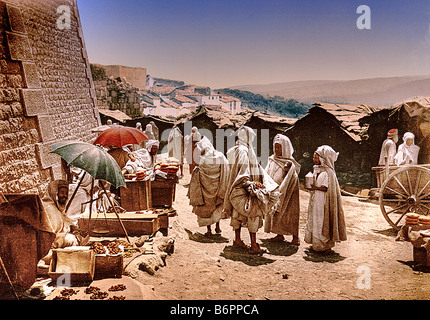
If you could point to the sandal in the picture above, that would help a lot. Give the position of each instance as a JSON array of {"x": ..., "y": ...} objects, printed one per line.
[{"x": 240, "y": 244}]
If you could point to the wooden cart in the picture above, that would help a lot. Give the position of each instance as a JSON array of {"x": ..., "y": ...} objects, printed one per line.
[{"x": 403, "y": 189}]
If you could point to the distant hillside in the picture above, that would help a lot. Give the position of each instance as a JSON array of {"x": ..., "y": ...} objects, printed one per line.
[
  {"x": 374, "y": 91},
  {"x": 273, "y": 105}
]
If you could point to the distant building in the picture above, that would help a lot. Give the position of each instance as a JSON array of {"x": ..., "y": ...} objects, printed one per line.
[
  {"x": 231, "y": 104},
  {"x": 135, "y": 76}
]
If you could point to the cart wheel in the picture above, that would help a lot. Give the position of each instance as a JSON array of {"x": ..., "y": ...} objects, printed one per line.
[{"x": 405, "y": 190}]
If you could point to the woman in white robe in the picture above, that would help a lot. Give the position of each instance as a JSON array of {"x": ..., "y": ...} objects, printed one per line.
[
  {"x": 408, "y": 151},
  {"x": 326, "y": 221},
  {"x": 284, "y": 169},
  {"x": 208, "y": 185}
]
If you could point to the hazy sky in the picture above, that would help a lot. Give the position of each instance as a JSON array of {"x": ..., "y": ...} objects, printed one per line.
[{"x": 222, "y": 43}]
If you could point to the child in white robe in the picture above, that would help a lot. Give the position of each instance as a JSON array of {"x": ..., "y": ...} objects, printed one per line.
[{"x": 326, "y": 222}]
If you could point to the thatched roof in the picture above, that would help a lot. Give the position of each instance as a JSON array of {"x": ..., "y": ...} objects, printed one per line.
[
  {"x": 347, "y": 115},
  {"x": 416, "y": 106},
  {"x": 115, "y": 115}
]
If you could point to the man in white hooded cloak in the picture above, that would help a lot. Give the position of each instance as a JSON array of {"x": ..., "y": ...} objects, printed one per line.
[
  {"x": 208, "y": 185},
  {"x": 251, "y": 192},
  {"x": 284, "y": 169}
]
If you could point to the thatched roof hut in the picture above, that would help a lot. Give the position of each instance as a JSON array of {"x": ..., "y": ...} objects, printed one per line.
[
  {"x": 338, "y": 126},
  {"x": 410, "y": 115}
]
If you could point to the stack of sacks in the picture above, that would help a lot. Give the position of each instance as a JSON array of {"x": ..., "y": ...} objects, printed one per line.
[
  {"x": 424, "y": 220},
  {"x": 412, "y": 218}
]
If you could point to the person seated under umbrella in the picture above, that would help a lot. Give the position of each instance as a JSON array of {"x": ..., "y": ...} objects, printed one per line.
[
  {"x": 142, "y": 159},
  {"x": 67, "y": 233}
]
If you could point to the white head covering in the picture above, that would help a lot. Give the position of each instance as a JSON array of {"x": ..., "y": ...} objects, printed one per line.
[
  {"x": 407, "y": 136},
  {"x": 407, "y": 154},
  {"x": 246, "y": 136},
  {"x": 195, "y": 134},
  {"x": 327, "y": 156},
  {"x": 138, "y": 125},
  {"x": 205, "y": 144},
  {"x": 287, "y": 147},
  {"x": 151, "y": 143}
]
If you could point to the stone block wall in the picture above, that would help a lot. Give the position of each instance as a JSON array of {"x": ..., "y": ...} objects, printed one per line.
[
  {"x": 119, "y": 94},
  {"x": 46, "y": 92}
]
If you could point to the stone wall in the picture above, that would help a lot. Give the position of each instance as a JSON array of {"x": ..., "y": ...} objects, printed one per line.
[
  {"x": 119, "y": 94},
  {"x": 46, "y": 92},
  {"x": 135, "y": 76}
]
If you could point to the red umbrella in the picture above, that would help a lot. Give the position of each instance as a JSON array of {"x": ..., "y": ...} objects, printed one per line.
[{"x": 120, "y": 136}]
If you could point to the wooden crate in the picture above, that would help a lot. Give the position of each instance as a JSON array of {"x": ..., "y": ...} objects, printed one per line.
[
  {"x": 421, "y": 256},
  {"x": 109, "y": 266},
  {"x": 163, "y": 192},
  {"x": 136, "y": 195},
  {"x": 135, "y": 224},
  {"x": 74, "y": 265}
]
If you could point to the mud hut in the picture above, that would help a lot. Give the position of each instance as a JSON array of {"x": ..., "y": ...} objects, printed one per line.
[
  {"x": 410, "y": 115},
  {"x": 338, "y": 126}
]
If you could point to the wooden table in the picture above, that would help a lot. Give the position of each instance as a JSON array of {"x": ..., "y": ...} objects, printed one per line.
[{"x": 136, "y": 224}]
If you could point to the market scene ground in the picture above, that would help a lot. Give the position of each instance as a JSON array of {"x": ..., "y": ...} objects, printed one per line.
[
  {"x": 210, "y": 268},
  {"x": 371, "y": 264}
]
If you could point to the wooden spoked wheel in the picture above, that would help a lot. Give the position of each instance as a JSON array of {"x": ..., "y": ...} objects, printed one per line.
[{"x": 405, "y": 190}]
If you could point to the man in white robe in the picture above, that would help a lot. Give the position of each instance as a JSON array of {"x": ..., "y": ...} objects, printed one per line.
[
  {"x": 54, "y": 202},
  {"x": 389, "y": 148},
  {"x": 408, "y": 151},
  {"x": 142, "y": 159},
  {"x": 284, "y": 169},
  {"x": 251, "y": 192},
  {"x": 207, "y": 187},
  {"x": 326, "y": 221}
]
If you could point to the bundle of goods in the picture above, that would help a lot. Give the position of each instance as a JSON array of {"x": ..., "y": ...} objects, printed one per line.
[
  {"x": 170, "y": 166},
  {"x": 412, "y": 218},
  {"x": 424, "y": 220}
]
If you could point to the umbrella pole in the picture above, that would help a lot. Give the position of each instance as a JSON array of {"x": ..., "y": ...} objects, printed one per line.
[
  {"x": 91, "y": 206},
  {"x": 116, "y": 213},
  {"x": 74, "y": 193}
]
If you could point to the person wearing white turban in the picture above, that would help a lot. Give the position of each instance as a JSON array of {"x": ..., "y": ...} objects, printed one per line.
[
  {"x": 408, "y": 151},
  {"x": 284, "y": 169},
  {"x": 142, "y": 159},
  {"x": 389, "y": 148},
  {"x": 208, "y": 185},
  {"x": 251, "y": 192},
  {"x": 326, "y": 221}
]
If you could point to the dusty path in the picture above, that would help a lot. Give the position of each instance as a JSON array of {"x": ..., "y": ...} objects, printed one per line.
[{"x": 204, "y": 268}]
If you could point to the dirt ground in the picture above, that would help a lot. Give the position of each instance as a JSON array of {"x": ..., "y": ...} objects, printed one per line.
[{"x": 369, "y": 265}]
